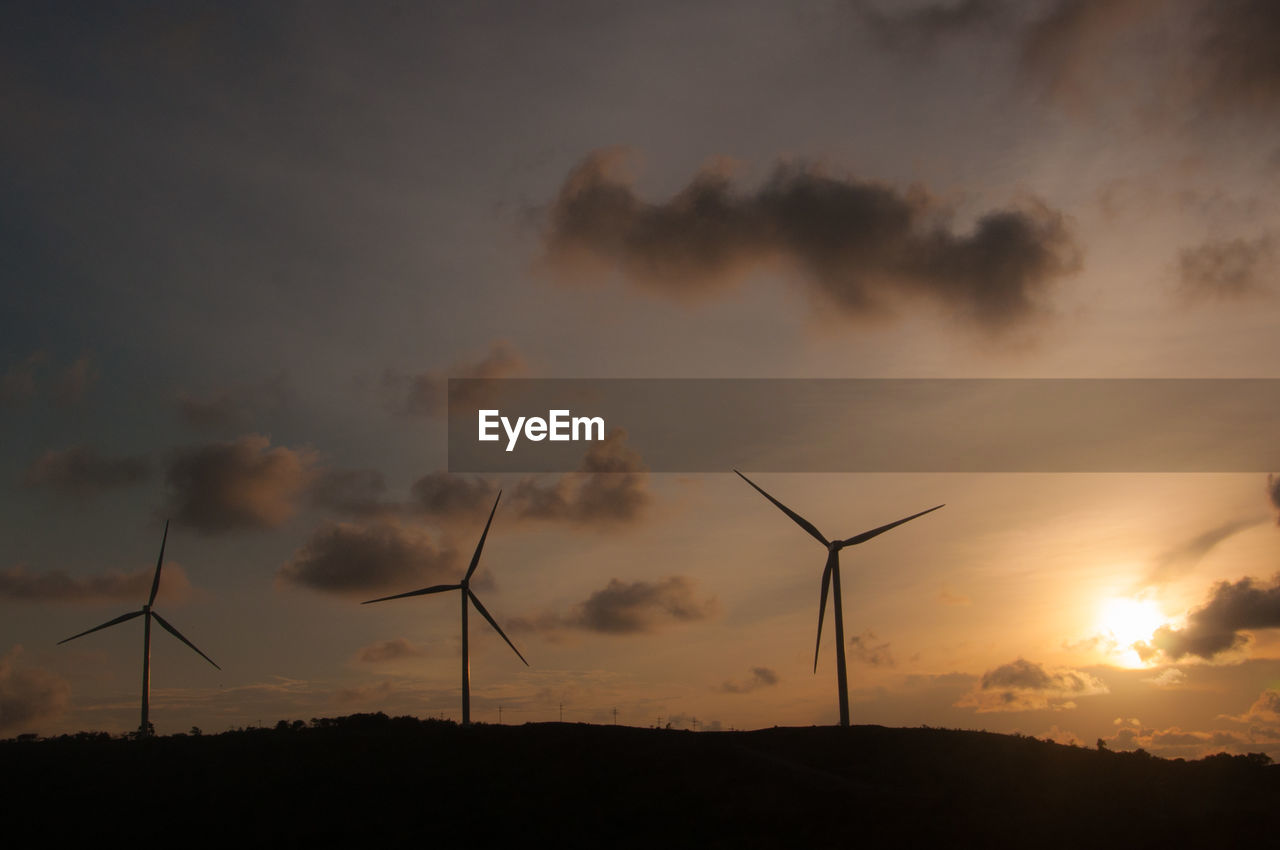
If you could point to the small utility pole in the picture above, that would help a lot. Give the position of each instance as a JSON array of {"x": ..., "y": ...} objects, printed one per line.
[
  {"x": 561, "y": 712},
  {"x": 499, "y": 715},
  {"x": 615, "y": 715}
]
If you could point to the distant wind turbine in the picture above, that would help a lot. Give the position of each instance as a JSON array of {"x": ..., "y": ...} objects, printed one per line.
[
  {"x": 467, "y": 594},
  {"x": 145, "y": 727},
  {"x": 831, "y": 579}
]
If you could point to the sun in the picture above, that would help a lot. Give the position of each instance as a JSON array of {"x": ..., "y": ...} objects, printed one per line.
[{"x": 1125, "y": 621}]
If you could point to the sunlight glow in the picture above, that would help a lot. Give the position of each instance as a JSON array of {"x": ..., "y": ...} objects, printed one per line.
[{"x": 1125, "y": 621}]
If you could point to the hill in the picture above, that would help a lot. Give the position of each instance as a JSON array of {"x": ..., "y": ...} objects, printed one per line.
[{"x": 370, "y": 778}]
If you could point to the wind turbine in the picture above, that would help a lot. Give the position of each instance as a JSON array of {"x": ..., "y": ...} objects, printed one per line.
[
  {"x": 831, "y": 579},
  {"x": 145, "y": 727},
  {"x": 467, "y": 594}
]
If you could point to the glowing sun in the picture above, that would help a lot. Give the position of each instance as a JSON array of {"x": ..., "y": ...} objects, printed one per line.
[{"x": 1126, "y": 621}]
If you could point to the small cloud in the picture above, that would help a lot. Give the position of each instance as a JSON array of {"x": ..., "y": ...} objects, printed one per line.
[
  {"x": 235, "y": 406},
  {"x": 426, "y": 393},
  {"x": 1061, "y": 736},
  {"x": 761, "y": 677},
  {"x": 1169, "y": 677},
  {"x": 243, "y": 484},
  {"x": 622, "y": 608},
  {"x": 948, "y": 597},
  {"x": 1023, "y": 685},
  {"x": 29, "y": 697},
  {"x": 389, "y": 650},
  {"x": 867, "y": 649},
  {"x": 81, "y": 472},
  {"x": 446, "y": 496},
  {"x": 1265, "y": 709},
  {"x": 20, "y": 585},
  {"x": 364, "y": 694},
  {"x": 921, "y": 28},
  {"x": 361, "y": 560},
  {"x": 1227, "y": 269},
  {"x": 610, "y": 486}
]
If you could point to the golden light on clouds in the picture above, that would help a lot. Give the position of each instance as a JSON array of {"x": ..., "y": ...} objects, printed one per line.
[{"x": 1124, "y": 621}]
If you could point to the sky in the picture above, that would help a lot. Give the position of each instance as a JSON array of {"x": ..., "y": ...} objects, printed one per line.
[{"x": 245, "y": 245}]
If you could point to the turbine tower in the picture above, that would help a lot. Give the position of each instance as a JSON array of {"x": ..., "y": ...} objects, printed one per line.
[
  {"x": 467, "y": 595},
  {"x": 145, "y": 728},
  {"x": 831, "y": 580}
]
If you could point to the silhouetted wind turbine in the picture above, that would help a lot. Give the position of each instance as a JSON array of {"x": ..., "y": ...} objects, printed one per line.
[
  {"x": 145, "y": 728},
  {"x": 831, "y": 579},
  {"x": 467, "y": 594}
]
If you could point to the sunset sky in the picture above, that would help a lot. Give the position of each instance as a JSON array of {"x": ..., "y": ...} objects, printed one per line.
[{"x": 244, "y": 246}]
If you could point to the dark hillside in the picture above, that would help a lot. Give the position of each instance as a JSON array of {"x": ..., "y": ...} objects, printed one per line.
[{"x": 370, "y": 778}]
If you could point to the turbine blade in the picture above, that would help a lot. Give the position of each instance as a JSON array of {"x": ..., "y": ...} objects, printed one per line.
[
  {"x": 867, "y": 535},
  {"x": 475, "y": 559},
  {"x": 475, "y": 601},
  {"x": 822, "y": 605},
  {"x": 162, "y": 621},
  {"x": 438, "y": 588},
  {"x": 155, "y": 582},
  {"x": 800, "y": 521},
  {"x": 119, "y": 619}
]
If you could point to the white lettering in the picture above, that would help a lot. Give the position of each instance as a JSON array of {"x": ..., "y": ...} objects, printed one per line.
[
  {"x": 587, "y": 422},
  {"x": 560, "y": 427},
  {"x": 512, "y": 433}
]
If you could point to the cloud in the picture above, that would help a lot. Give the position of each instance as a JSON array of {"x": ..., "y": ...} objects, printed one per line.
[
  {"x": 80, "y": 472},
  {"x": 1067, "y": 51},
  {"x": 761, "y": 677},
  {"x": 389, "y": 650},
  {"x": 1211, "y": 55},
  {"x": 234, "y": 406},
  {"x": 860, "y": 248},
  {"x": 1227, "y": 269},
  {"x": 244, "y": 484},
  {"x": 623, "y": 608},
  {"x": 20, "y": 585},
  {"x": 1023, "y": 685},
  {"x": 360, "y": 560},
  {"x": 373, "y": 693},
  {"x": 1265, "y": 709},
  {"x": 610, "y": 486},
  {"x": 920, "y": 28},
  {"x": 446, "y": 496},
  {"x": 352, "y": 492},
  {"x": 1179, "y": 560},
  {"x": 1169, "y": 677},
  {"x": 1175, "y": 742},
  {"x": 1237, "y": 45},
  {"x": 29, "y": 697},
  {"x": 426, "y": 394},
  {"x": 948, "y": 597},
  {"x": 868, "y": 651},
  {"x": 1273, "y": 492},
  {"x": 1218, "y": 625}
]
